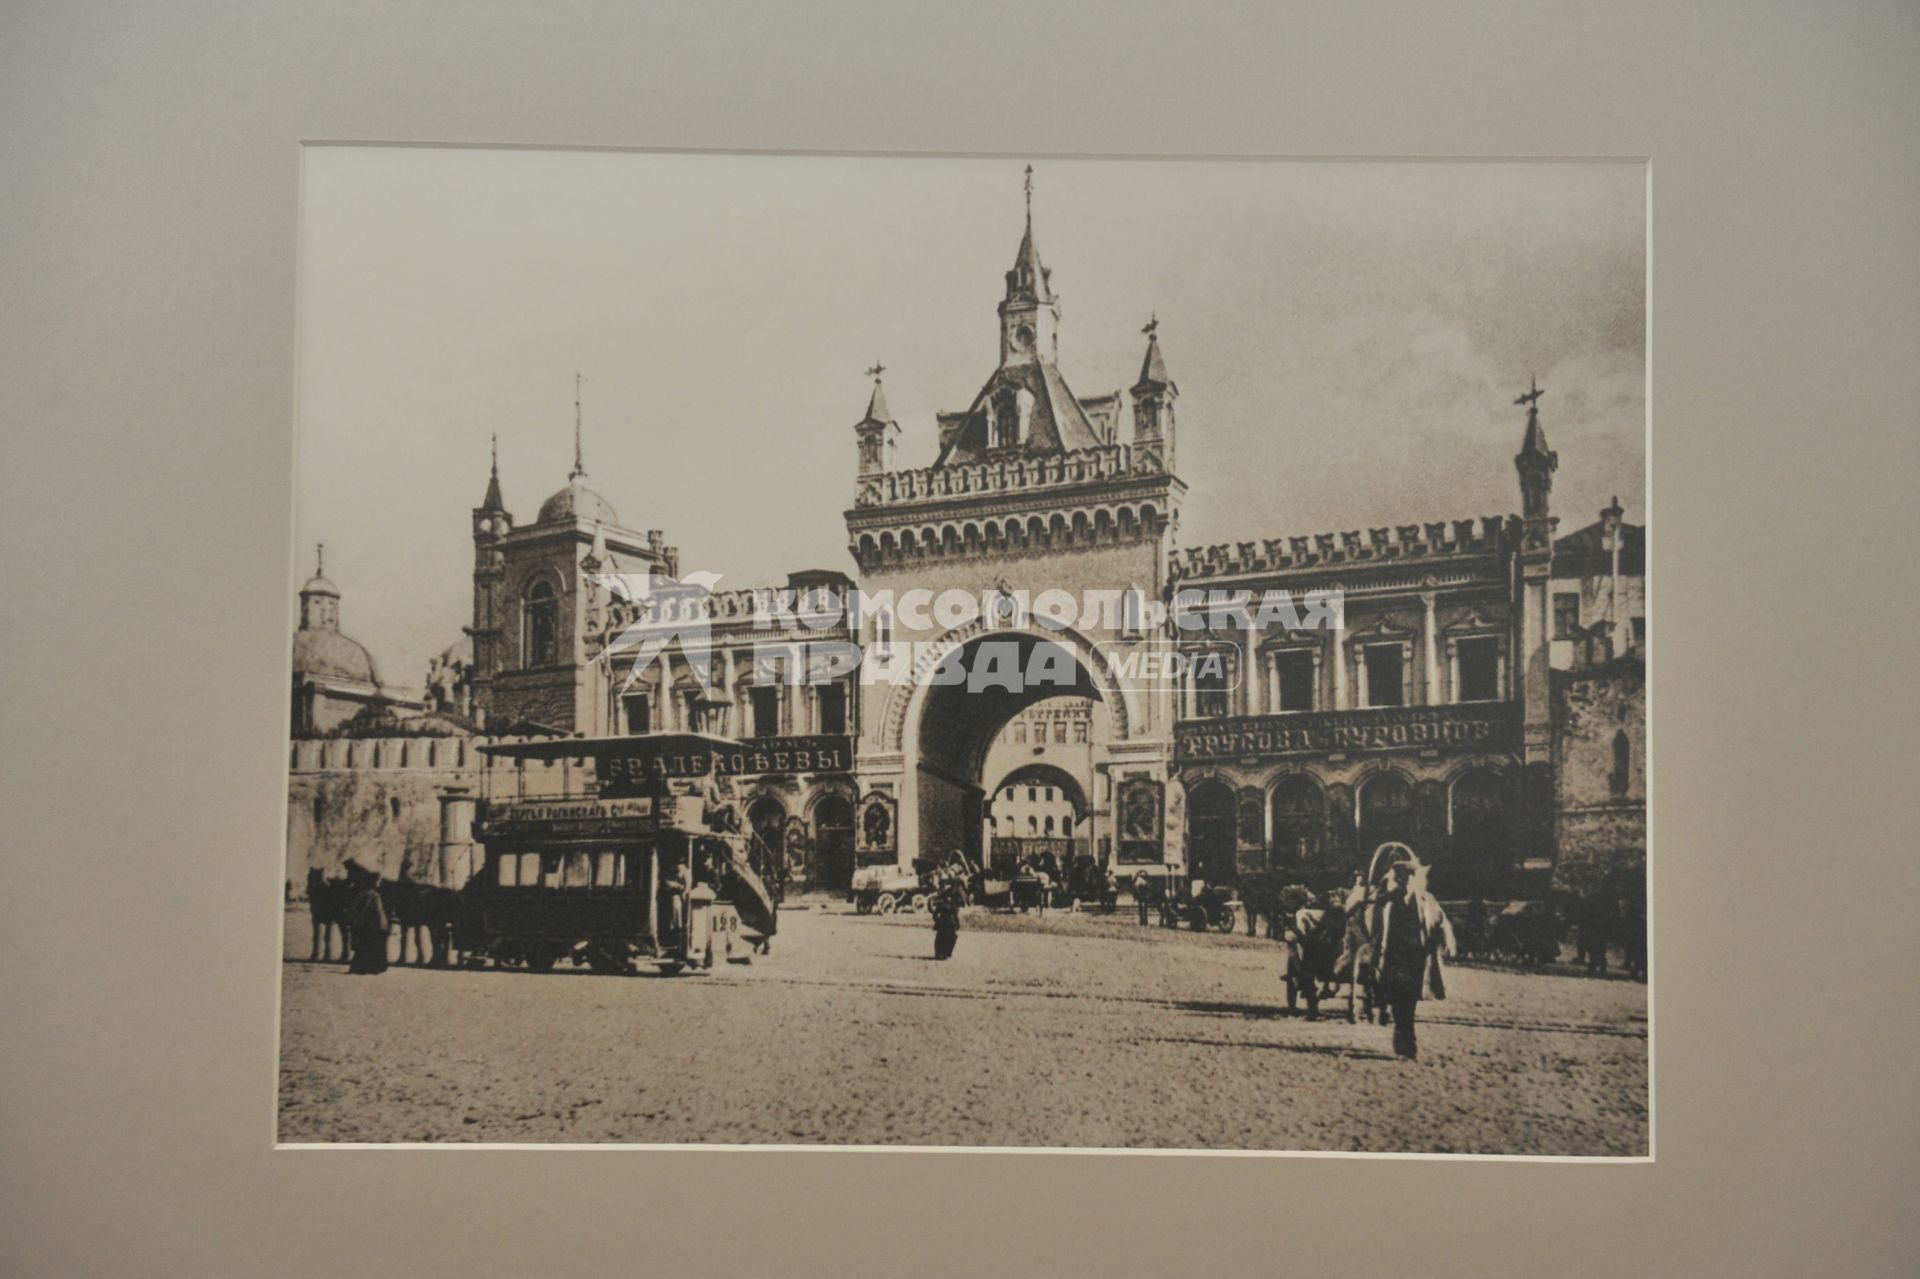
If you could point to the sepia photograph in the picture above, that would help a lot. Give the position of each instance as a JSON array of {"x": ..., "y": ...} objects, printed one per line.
[{"x": 811, "y": 650}]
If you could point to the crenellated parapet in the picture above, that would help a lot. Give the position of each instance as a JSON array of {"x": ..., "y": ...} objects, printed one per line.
[
  {"x": 1012, "y": 474},
  {"x": 399, "y": 755},
  {"x": 1402, "y": 542}
]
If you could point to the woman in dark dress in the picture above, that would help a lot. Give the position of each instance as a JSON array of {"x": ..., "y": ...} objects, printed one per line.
[{"x": 367, "y": 919}]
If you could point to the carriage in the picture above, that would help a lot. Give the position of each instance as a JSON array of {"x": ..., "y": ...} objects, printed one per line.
[{"x": 646, "y": 863}]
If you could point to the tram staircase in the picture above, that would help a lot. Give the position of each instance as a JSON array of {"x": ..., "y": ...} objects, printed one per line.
[{"x": 750, "y": 895}]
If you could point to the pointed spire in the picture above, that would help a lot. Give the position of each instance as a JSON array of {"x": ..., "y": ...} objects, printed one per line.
[
  {"x": 1028, "y": 277},
  {"x": 579, "y": 471},
  {"x": 877, "y": 410},
  {"x": 1153, "y": 369},
  {"x": 492, "y": 502},
  {"x": 319, "y": 559},
  {"x": 1535, "y": 441}
]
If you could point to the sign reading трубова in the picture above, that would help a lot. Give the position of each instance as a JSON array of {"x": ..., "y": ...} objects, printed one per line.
[{"x": 1483, "y": 727}]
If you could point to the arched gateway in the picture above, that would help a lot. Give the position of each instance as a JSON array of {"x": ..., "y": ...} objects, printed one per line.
[{"x": 1035, "y": 493}]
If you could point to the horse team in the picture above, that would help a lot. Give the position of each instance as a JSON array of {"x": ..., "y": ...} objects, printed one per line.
[{"x": 427, "y": 916}]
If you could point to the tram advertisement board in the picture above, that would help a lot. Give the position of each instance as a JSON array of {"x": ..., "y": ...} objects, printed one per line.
[{"x": 567, "y": 818}]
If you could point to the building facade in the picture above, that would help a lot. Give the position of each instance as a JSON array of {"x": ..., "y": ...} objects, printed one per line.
[{"x": 1439, "y": 712}]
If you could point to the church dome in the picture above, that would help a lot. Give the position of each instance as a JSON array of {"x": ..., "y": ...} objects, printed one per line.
[
  {"x": 577, "y": 501},
  {"x": 327, "y": 654}
]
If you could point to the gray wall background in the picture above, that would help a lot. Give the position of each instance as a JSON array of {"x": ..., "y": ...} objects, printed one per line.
[{"x": 147, "y": 233}]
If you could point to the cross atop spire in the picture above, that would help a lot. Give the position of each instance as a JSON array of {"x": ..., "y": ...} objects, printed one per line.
[
  {"x": 319, "y": 559},
  {"x": 1152, "y": 325},
  {"x": 492, "y": 502},
  {"x": 1532, "y": 398},
  {"x": 579, "y": 471},
  {"x": 1029, "y": 197},
  {"x": 877, "y": 410}
]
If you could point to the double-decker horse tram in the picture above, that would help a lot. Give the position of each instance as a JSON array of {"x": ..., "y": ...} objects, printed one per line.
[{"x": 636, "y": 857}]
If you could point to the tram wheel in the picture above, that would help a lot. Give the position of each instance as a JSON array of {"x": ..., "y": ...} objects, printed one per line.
[{"x": 886, "y": 905}]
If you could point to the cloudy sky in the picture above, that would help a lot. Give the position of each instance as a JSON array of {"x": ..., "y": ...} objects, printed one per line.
[{"x": 1348, "y": 338}]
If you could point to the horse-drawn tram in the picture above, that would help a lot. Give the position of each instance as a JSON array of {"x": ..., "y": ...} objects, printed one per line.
[{"x": 640, "y": 857}]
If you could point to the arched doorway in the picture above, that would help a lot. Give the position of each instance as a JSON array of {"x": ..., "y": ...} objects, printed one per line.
[
  {"x": 1211, "y": 832},
  {"x": 1386, "y": 812},
  {"x": 1478, "y": 851},
  {"x": 833, "y": 845},
  {"x": 1299, "y": 822},
  {"x": 767, "y": 818}
]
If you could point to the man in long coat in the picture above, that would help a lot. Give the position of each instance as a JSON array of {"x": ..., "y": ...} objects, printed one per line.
[
  {"x": 1404, "y": 933},
  {"x": 367, "y": 920}
]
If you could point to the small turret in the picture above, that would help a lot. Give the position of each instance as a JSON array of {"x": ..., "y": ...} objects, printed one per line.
[
  {"x": 1153, "y": 397},
  {"x": 876, "y": 432}
]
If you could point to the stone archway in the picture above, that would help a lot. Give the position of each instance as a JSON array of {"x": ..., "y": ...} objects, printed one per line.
[
  {"x": 964, "y": 692},
  {"x": 1064, "y": 835}
]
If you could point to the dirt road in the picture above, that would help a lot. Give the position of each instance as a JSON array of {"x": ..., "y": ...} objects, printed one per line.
[{"x": 1067, "y": 1031}]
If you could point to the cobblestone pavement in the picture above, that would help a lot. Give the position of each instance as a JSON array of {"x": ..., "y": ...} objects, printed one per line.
[{"x": 1067, "y": 1030}]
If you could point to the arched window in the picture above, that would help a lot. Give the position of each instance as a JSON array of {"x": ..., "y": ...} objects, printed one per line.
[
  {"x": 1033, "y": 825},
  {"x": 1132, "y": 613},
  {"x": 1622, "y": 760},
  {"x": 542, "y": 616},
  {"x": 883, "y": 632},
  {"x": 1047, "y": 826},
  {"x": 393, "y": 806}
]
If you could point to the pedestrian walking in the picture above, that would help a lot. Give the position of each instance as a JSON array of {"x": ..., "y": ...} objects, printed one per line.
[
  {"x": 1402, "y": 941},
  {"x": 946, "y": 919}
]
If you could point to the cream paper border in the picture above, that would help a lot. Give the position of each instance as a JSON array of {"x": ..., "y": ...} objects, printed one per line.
[{"x": 148, "y": 227}]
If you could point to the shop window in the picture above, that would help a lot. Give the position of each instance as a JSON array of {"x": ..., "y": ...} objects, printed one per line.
[
  {"x": 833, "y": 708},
  {"x": 1295, "y": 668},
  {"x": 1479, "y": 663},
  {"x": 1385, "y": 675},
  {"x": 529, "y": 870},
  {"x": 1566, "y": 615},
  {"x": 765, "y": 701},
  {"x": 506, "y": 871}
]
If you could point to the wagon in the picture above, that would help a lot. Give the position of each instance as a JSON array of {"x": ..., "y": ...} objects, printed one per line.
[{"x": 884, "y": 890}]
